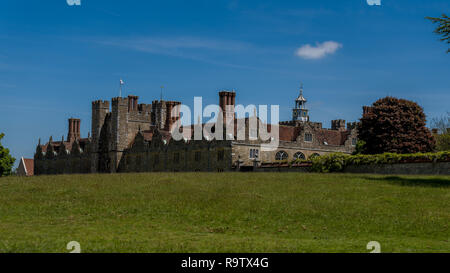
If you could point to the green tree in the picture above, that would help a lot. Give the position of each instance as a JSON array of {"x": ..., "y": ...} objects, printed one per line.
[
  {"x": 443, "y": 28},
  {"x": 442, "y": 136},
  {"x": 6, "y": 160},
  {"x": 360, "y": 147},
  {"x": 395, "y": 126}
]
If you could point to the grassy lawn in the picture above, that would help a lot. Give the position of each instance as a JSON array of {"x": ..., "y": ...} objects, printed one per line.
[{"x": 225, "y": 212}]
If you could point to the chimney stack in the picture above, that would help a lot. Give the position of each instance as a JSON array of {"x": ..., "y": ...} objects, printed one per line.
[
  {"x": 227, "y": 102},
  {"x": 132, "y": 103},
  {"x": 74, "y": 129}
]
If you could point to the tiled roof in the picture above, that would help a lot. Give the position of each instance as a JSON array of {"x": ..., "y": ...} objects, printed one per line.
[
  {"x": 29, "y": 166},
  {"x": 57, "y": 144},
  {"x": 332, "y": 137}
]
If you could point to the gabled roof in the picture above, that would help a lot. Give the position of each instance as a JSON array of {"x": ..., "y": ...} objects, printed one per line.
[
  {"x": 28, "y": 166},
  {"x": 57, "y": 144},
  {"x": 332, "y": 137}
]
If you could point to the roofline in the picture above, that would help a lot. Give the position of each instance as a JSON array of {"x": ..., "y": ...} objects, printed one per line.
[{"x": 24, "y": 165}]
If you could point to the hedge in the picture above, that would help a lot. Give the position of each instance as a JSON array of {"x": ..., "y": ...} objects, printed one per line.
[{"x": 337, "y": 162}]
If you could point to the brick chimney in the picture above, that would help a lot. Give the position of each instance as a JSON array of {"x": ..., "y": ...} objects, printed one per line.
[
  {"x": 132, "y": 103},
  {"x": 227, "y": 98},
  {"x": 74, "y": 129}
]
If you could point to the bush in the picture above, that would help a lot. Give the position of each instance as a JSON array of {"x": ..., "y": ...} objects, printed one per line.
[
  {"x": 6, "y": 160},
  {"x": 337, "y": 162}
]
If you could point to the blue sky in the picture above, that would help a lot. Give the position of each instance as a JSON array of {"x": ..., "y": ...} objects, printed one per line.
[{"x": 55, "y": 58}]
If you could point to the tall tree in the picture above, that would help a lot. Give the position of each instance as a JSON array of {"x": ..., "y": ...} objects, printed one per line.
[
  {"x": 443, "y": 28},
  {"x": 396, "y": 126},
  {"x": 6, "y": 160}
]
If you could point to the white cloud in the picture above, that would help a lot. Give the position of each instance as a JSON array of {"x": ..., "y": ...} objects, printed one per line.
[
  {"x": 177, "y": 45},
  {"x": 319, "y": 51}
]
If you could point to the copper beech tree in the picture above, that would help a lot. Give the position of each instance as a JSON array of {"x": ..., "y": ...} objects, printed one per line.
[{"x": 396, "y": 126}]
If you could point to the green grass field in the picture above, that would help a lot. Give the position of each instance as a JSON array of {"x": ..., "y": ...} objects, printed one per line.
[{"x": 225, "y": 212}]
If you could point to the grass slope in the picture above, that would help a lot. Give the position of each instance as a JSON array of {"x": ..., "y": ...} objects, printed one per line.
[{"x": 225, "y": 212}]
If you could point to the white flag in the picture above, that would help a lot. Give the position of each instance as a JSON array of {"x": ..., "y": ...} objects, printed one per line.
[{"x": 122, "y": 82}]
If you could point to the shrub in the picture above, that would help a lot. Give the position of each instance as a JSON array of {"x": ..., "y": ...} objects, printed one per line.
[
  {"x": 337, "y": 162},
  {"x": 6, "y": 160}
]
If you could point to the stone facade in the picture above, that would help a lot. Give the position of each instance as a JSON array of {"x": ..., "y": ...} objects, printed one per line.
[{"x": 132, "y": 137}]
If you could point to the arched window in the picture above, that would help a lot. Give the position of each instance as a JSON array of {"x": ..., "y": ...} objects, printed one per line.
[
  {"x": 314, "y": 156},
  {"x": 299, "y": 156},
  {"x": 281, "y": 155}
]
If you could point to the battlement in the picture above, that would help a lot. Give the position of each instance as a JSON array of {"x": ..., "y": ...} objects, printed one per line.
[
  {"x": 351, "y": 125},
  {"x": 146, "y": 108},
  {"x": 100, "y": 104},
  {"x": 118, "y": 99},
  {"x": 288, "y": 123},
  {"x": 338, "y": 124}
]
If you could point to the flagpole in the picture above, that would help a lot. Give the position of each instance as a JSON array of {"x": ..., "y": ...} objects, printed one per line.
[{"x": 120, "y": 88}]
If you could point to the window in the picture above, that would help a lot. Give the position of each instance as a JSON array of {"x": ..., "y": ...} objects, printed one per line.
[
  {"x": 354, "y": 141},
  {"x": 220, "y": 155},
  {"x": 314, "y": 156},
  {"x": 281, "y": 155},
  {"x": 198, "y": 156},
  {"x": 176, "y": 158},
  {"x": 308, "y": 137},
  {"x": 299, "y": 156},
  {"x": 254, "y": 153}
]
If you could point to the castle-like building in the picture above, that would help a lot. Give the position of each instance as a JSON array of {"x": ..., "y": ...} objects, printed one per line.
[{"x": 131, "y": 137}]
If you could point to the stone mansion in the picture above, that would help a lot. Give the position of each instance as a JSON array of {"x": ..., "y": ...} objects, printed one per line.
[{"x": 130, "y": 137}]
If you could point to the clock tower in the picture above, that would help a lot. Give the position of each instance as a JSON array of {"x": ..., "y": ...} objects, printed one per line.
[{"x": 300, "y": 112}]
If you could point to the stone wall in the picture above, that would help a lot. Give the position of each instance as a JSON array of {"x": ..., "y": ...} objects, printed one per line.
[
  {"x": 439, "y": 168},
  {"x": 241, "y": 150},
  {"x": 283, "y": 169},
  {"x": 176, "y": 156}
]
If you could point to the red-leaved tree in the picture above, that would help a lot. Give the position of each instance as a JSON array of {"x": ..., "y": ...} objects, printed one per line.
[{"x": 395, "y": 126}]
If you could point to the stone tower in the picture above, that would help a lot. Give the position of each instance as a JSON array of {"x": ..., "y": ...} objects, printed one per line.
[
  {"x": 162, "y": 114},
  {"x": 119, "y": 122},
  {"x": 159, "y": 114},
  {"x": 99, "y": 111},
  {"x": 300, "y": 112}
]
